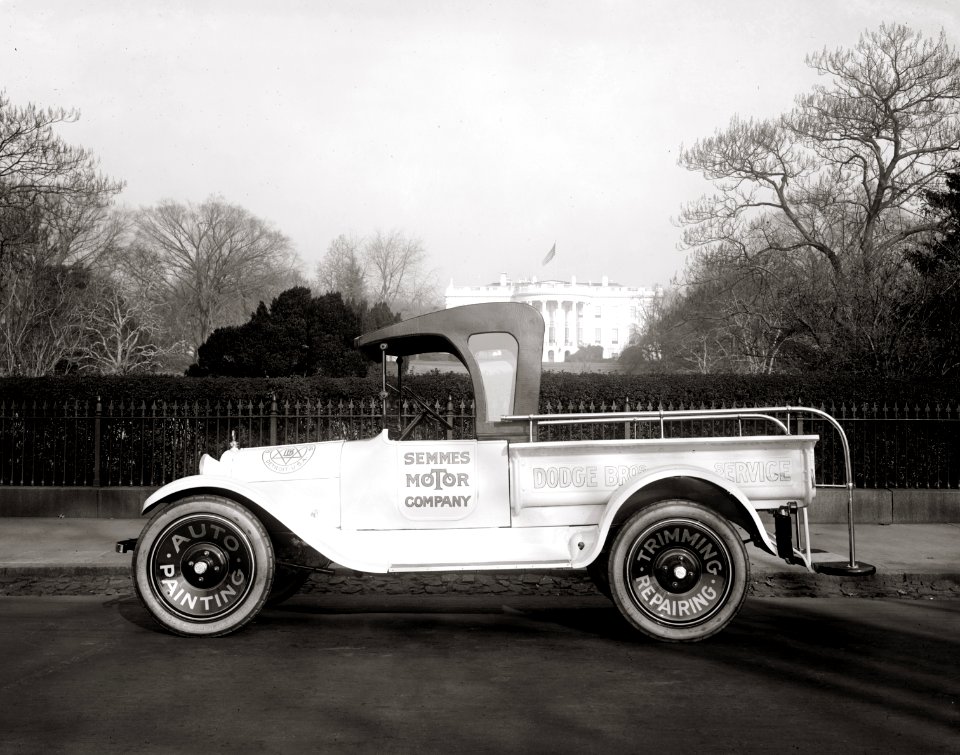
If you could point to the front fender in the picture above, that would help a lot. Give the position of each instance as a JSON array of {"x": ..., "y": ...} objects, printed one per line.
[
  {"x": 203, "y": 484},
  {"x": 631, "y": 487},
  {"x": 301, "y": 511}
]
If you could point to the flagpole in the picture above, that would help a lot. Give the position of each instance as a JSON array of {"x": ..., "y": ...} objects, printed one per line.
[{"x": 550, "y": 254}]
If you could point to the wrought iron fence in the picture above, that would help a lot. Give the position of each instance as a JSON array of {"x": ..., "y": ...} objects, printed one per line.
[
  {"x": 134, "y": 443},
  {"x": 125, "y": 443}
]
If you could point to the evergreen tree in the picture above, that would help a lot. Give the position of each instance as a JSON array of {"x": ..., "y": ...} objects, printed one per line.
[
  {"x": 933, "y": 313},
  {"x": 298, "y": 334}
]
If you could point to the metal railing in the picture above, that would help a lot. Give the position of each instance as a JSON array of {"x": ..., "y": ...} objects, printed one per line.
[{"x": 122, "y": 442}]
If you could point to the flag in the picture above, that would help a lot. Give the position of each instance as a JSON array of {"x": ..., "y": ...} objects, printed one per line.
[{"x": 553, "y": 251}]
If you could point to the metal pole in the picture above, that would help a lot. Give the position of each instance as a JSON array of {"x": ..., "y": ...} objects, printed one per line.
[
  {"x": 383, "y": 385},
  {"x": 96, "y": 443},
  {"x": 273, "y": 419}
]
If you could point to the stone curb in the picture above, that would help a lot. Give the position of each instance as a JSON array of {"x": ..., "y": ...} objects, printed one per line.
[
  {"x": 115, "y": 580},
  {"x": 890, "y": 585}
]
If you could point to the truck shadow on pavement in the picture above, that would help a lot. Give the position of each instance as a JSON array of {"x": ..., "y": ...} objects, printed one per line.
[{"x": 894, "y": 663}]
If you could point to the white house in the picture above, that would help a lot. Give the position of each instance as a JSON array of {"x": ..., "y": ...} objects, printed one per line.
[{"x": 576, "y": 314}]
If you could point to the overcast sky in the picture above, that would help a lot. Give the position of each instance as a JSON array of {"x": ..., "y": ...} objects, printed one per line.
[{"x": 489, "y": 130}]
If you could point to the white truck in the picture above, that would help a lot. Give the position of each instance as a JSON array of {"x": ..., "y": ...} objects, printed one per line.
[{"x": 658, "y": 522}]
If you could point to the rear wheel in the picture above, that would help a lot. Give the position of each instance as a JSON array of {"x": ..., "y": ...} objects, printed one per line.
[
  {"x": 678, "y": 571},
  {"x": 203, "y": 566}
]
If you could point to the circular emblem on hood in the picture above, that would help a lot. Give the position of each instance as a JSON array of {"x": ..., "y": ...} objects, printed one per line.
[{"x": 287, "y": 459}]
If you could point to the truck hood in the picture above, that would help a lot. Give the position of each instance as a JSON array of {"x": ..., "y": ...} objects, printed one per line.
[{"x": 275, "y": 463}]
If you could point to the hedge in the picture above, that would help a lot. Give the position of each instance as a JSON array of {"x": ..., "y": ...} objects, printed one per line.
[{"x": 560, "y": 389}]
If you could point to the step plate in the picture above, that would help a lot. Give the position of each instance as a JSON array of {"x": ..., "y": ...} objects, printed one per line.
[{"x": 845, "y": 569}]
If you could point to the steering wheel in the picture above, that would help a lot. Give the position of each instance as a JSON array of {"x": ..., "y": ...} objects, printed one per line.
[{"x": 425, "y": 411}]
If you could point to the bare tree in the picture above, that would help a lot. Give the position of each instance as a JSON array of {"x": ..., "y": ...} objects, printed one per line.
[
  {"x": 396, "y": 271},
  {"x": 840, "y": 178},
  {"x": 124, "y": 330},
  {"x": 35, "y": 162},
  {"x": 120, "y": 336},
  {"x": 56, "y": 226},
  {"x": 383, "y": 269},
  {"x": 217, "y": 260},
  {"x": 341, "y": 269}
]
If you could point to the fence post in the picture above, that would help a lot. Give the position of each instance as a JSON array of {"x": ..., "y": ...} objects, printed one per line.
[
  {"x": 96, "y": 443},
  {"x": 273, "y": 419},
  {"x": 450, "y": 417}
]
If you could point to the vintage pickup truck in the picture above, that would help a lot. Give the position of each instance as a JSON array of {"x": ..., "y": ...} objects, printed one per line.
[{"x": 658, "y": 519}]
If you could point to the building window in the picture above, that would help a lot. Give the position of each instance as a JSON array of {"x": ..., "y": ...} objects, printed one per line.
[
  {"x": 597, "y": 338},
  {"x": 616, "y": 335},
  {"x": 551, "y": 336}
]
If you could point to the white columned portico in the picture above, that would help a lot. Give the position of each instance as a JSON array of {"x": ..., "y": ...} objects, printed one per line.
[{"x": 601, "y": 313}]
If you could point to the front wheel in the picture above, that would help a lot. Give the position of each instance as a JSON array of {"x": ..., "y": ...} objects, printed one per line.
[
  {"x": 678, "y": 571},
  {"x": 203, "y": 566}
]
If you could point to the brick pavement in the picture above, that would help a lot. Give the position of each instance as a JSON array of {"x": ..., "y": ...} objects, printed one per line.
[{"x": 42, "y": 580}]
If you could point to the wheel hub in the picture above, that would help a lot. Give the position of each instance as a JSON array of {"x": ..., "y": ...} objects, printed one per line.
[
  {"x": 676, "y": 570},
  {"x": 204, "y": 565}
]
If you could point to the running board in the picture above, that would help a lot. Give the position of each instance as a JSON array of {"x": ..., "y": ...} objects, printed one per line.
[{"x": 481, "y": 566}]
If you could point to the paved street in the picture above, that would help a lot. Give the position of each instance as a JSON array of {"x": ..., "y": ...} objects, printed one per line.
[{"x": 479, "y": 673}]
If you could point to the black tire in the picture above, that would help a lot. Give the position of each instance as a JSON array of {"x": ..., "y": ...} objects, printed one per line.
[
  {"x": 678, "y": 571},
  {"x": 203, "y": 566},
  {"x": 287, "y": 582}
]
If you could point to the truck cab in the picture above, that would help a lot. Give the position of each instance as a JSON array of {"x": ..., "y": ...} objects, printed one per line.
[{"x": 446, "y": 484}]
